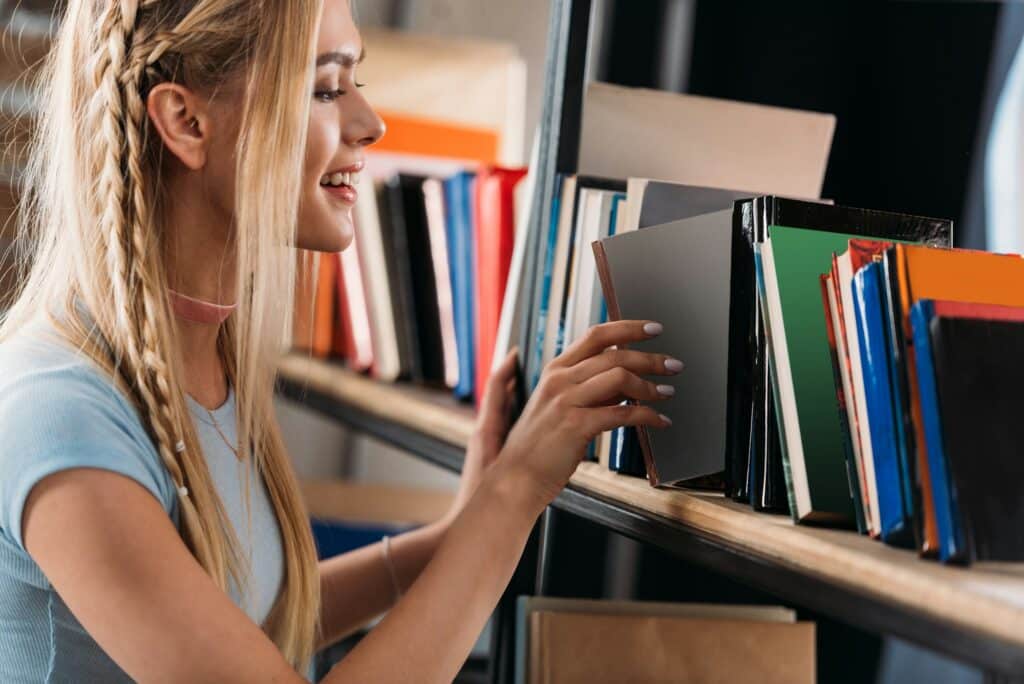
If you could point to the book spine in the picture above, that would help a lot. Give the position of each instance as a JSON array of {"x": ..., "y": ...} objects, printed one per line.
[
  {"x": 537, "y": 355},
  {"x": 951, "y": 543},
  {"x": 875, "y": 359},
  {"x": 828, "y": 298}
]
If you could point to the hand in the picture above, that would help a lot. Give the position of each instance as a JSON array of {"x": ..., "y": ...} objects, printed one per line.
[
  {"x": 579, "y": 396},
  {"x": 492, "y": 425}
]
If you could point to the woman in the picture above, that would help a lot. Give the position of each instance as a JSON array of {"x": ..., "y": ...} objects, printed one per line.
[{"x": 182, "y": 150}]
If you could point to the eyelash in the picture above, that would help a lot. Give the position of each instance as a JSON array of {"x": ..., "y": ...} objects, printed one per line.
[{"x": 327, "y": 96}]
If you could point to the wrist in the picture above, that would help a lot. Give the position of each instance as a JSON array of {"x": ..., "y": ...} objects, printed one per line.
[{"x": 511, "y": 487}]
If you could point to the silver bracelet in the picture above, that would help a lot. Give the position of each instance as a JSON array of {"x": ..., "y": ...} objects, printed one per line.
[{"x": 391, "y": 568}]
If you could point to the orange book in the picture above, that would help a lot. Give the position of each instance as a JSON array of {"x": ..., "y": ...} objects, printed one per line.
[
  {"x": 302, "y": 318},
  {"x": 495, "y": 227},
  {"x": 323, "y": 305},
  {"x": 431, "y": 138},
  {"x": 957, "y": 275}
]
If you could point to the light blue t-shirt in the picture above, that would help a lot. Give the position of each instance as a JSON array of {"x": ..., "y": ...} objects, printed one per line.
[{"x": 58, "y": 411}]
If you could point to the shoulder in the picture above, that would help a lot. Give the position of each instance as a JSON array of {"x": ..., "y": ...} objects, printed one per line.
[{"x": 58, "y": 410}]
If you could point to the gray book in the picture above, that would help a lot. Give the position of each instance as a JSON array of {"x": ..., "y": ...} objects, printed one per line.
[
  {"x": 665, "y": 202},
  {"x": 679, "y": 275}
]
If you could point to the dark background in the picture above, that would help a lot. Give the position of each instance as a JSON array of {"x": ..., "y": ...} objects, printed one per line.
[{"x": 913, "y": 86}]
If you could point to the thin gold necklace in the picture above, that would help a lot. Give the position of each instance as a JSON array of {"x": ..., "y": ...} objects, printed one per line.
[{"x": 216, "y": 426}]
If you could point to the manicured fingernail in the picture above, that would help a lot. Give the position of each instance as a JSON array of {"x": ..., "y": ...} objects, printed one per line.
[
  {"x": 673, "y": 365},
  {"x": 666, "y": 390},
  {"x": 653, "y": 328},
  {"x": 665, "y": 419}
]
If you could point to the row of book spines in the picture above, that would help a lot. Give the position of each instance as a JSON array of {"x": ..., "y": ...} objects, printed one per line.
[
  {"x": 479, "y": 235},
  {"x": 900, "y": 481}
]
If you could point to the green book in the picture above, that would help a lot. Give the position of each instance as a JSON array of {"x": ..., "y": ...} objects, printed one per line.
[{"x": 792, "y": 260}]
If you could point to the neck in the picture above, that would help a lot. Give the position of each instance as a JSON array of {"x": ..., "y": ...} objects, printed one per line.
[{"x": 201, "y": 264}]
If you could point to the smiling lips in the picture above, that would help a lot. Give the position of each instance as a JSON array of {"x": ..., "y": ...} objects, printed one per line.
[{"x": 341, "y": 184}]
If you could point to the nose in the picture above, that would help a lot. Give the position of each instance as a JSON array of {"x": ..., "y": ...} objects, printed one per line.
[{"x": 362, "y": 126}]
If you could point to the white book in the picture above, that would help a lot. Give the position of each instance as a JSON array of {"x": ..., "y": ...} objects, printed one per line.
[
  {"x": 373, "y": 265},
  {"x": 585, "y": 216},
  {"x": 851, "y": 406},
  {"x": 859, "y": 398},
  {"x": 433, "y": 199}
]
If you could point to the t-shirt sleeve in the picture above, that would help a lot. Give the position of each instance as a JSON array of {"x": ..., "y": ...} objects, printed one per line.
[{"x": 72, "y": 419}]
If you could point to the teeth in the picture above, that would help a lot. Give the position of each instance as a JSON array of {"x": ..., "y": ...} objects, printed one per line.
[{"x": 338, "y": 179}]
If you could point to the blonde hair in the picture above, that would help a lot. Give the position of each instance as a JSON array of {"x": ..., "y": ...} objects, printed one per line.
[{"x": 91, "y": 220}]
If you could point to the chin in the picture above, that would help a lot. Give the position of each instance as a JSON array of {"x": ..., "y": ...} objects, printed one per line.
[{"x": 333, "y": 237}]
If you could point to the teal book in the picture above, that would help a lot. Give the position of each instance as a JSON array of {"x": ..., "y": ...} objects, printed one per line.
[{"x": 792, "y": 260}]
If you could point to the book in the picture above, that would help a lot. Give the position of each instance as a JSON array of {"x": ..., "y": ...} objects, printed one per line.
[
  {"x": 458, "y": 194},
  {"x": 475, "y": 86},
  {"x": 433, "y": 197},
  {"x": 678, "y": 274},
  {"x": 494, "y": 238},
  {"x": 342, "y": 337},
  {"x": 857, "y": 437},
  {"x": 872, "y": 335},
  {"x": 950, "y": 529},
  {"x": 753, "y": 220},
  {"x": 553, "y": 250},
  {"x": 639, "y": 133},
  {"x": 527, "y": 605},
  {"x": 563, "y": 640},
  {"x": 353, "y": 295},
  {"x": 837, "y": 352},
  {"x": 978, "y": 374},
  {"x": 953, "y": 275},
  {"x": 324, "y": 305},
  {"x": 377, "y": 282},
  {"x": 391, "y": 209}
]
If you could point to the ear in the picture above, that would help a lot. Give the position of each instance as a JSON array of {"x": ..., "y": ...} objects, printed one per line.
[{"x": 181, "y": 119}]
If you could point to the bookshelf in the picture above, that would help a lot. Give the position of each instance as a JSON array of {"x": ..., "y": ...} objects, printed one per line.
[{"x": 975, "y": 614}]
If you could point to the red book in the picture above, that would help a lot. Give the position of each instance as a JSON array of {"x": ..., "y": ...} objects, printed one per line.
[
  {"x": 495, "y": 236},
  {"x": 354, "y": 312},
  {"x": 341, "y": 340}
]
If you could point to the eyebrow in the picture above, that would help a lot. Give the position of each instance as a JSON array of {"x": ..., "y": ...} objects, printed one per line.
[{"x": 346, "y": 59}]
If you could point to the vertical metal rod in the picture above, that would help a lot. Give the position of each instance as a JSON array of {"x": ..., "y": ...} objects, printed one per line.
[{"x": 547, "y": 522}]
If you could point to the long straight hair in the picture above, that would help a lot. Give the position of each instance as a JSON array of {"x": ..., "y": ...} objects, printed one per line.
[{"x": 92, "y": 229}]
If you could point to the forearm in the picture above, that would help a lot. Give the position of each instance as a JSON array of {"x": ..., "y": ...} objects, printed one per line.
[
  {"x": 356, "y": 587},
  {"x": 428, "y": 635}
]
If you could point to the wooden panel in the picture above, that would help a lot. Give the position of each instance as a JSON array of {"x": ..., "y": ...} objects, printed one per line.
[{"x": 360, "y": 502}]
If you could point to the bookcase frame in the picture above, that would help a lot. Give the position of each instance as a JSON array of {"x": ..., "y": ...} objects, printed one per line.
[{"x": 432, "y": 427}]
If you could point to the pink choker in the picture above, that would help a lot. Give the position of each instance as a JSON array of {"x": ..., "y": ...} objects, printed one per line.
[{"x": 198, "y": 310}]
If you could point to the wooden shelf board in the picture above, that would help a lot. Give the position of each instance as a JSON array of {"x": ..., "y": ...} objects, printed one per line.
[{"x": 986, "y": 599}]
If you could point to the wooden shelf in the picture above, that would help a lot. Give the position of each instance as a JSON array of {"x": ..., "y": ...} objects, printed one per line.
[{"x": 975, "y": 614}]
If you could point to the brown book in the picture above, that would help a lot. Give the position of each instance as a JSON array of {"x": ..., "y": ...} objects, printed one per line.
[
  {"x": 566, "y": 648},
  {"x": 305, "y": 286}
]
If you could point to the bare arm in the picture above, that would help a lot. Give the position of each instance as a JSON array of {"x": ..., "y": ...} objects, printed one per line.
[
  {"x": 356, "y": 587},
  {"x": 112, "y": 553}
]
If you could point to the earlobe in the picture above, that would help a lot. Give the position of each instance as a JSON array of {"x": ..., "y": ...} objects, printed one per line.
[{"x": 179, "y": 118}]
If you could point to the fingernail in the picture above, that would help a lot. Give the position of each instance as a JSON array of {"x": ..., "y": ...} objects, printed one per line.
[
  {"x": 653, "y": 328},
  {"x": 674, "y": 365},
  {"x": 666, "y": 390},
  {"x": 665, "y": 419}
]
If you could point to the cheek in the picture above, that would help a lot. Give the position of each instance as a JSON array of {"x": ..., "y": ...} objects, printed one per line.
[{"x": 322, "y": 224}]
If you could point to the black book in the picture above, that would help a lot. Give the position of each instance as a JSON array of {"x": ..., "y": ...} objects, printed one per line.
[
  {"x": 396, "y": 252},
  {"x": 979, "y": 373},
  {"x": 424, "y": 284},
  {"x": 754, "y": 449}
]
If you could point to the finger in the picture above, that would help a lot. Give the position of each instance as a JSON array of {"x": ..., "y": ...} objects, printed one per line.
[
  {"x": 500, "y": 386},
  {"x": 625, "y": 415},
  {"x": 637, "y": 362},
  {"x": 600, "y": 337},
  {"x": 615, "y": 383}
]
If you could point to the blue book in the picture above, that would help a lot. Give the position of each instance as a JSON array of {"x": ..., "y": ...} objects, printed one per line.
[
  {"x": 458, "y": 198},
  {"x": 548, "y": 246},
  {"x": 951, "y": 537},
  {"x": 626, "y": 458},
  {"x": 872, "y": 333}
]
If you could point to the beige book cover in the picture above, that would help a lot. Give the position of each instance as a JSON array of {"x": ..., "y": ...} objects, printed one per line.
[
  {"x": 578, "y": 648},
  {"x": 634, "y": 132}
]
